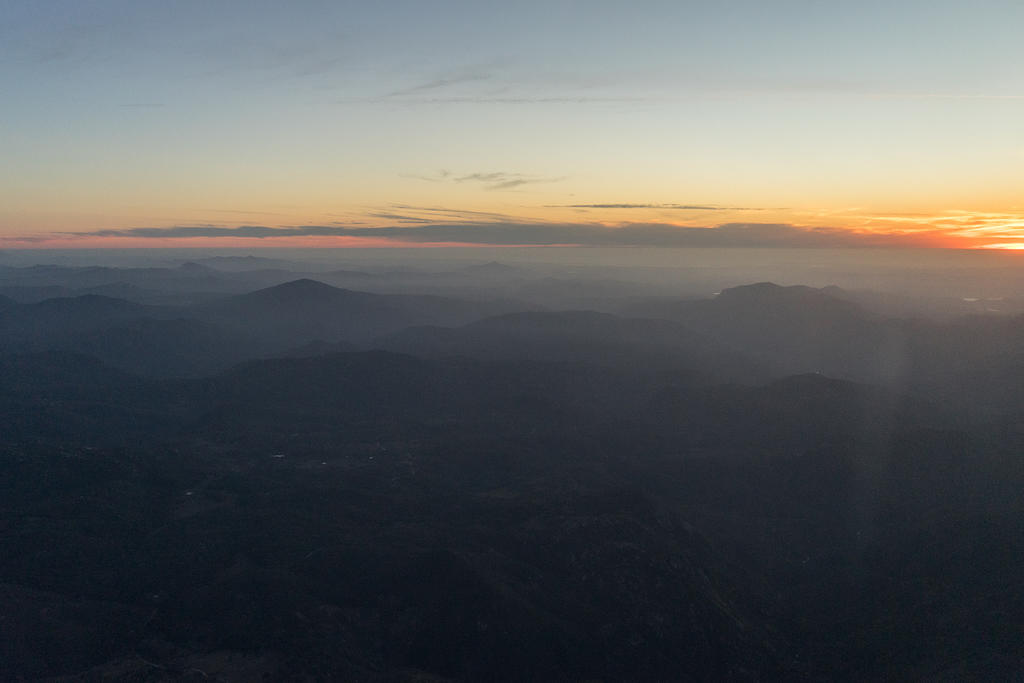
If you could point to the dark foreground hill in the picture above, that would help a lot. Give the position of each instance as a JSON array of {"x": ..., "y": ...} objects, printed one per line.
[
  {"x": 376, "y": 516},
  {"x": 355, "y": 516}
]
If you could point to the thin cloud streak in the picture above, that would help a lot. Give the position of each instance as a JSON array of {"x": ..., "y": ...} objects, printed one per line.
[
  {"x": 438, "y": 84},
  {"x": 674, "y": 207},
  {"x": 487, "y": 99},
  {"x": 491, "y": 180},
  {"x": 445, "y": 211}
]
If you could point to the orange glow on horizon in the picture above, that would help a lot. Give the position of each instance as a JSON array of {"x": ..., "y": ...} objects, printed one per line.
[
  {"x": 1009, "y": 246},
  {"x": 836, "y": 227}
]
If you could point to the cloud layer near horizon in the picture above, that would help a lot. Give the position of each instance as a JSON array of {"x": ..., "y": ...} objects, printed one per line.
[{"x": 550, "y": 234}]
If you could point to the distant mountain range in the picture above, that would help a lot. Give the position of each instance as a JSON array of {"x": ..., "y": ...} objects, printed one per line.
[
  {"x": 175, "y": 340},
  {"x": 744, "y": 334}
]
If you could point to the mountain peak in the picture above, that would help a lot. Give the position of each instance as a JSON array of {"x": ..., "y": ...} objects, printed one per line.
[
  {"x": 302, "y": 287},
  {"x": 770, "y": 294},
  {"x": 757, "y": 289},
  {"x": 304, "y": 283},
  {"x": 302, "y": 292}
]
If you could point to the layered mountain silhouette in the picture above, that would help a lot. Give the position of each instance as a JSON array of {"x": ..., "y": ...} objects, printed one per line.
[
  {"x": 796, "y": 329},
  {"x": 189, "y": 340},
  {"x": 969, "y": 361},
  {"x": 298, "y": 481},
  {"x": 306, "y": 309}
]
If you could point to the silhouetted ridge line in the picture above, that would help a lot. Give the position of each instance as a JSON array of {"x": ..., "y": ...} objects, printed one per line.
[{"x": 298, "y": 290}]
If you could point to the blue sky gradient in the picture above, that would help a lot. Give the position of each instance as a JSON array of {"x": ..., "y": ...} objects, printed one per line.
[{"x": 865, "y": 116}]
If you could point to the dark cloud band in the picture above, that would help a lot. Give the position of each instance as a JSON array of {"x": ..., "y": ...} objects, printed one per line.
[
  {"x": 546, "y": 234},
  {"x": 675, "y": 207}
]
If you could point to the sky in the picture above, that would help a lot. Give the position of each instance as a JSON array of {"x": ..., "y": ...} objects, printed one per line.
[{"x": 650, "y": 123}]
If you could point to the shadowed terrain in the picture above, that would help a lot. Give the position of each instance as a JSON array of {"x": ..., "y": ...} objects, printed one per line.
[{"x": 304, "y": 482}]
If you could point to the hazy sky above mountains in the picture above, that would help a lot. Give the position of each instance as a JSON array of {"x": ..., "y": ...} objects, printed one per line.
[{"x": 320, "y": 123}]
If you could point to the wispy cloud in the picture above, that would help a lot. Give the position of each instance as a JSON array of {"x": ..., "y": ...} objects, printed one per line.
[
  {"x": 400, "y": 218},
  {"x": 947, "y": 96},
  {"x": 500, "y": 99},
  {"x": 493, "y": 180},
  {"x": 505, "y": 181},
  {"x": 438, "y": 177},
  {"x": 471, "y": 76},
  {"x": 672, "y": 207},
  {"x": 244, "y": 213},
  {"x": 447, "y": 213},
  {"x": 494, "y": 83}
]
